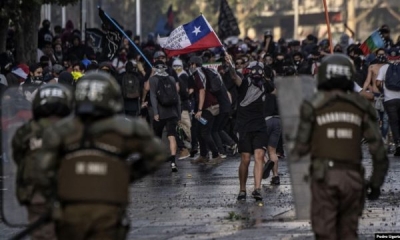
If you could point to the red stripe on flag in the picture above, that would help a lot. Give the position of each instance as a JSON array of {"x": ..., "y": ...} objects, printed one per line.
[{"x": 208, "y": 41}]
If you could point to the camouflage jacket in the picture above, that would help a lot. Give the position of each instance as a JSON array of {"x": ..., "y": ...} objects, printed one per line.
[
  {"x": 117, "y": 137},
  {"x": 26, "y": 142},
  {"x": 369, "y": 129}
]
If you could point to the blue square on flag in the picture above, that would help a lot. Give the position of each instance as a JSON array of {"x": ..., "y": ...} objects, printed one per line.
[{"x": 196, "y": 29}]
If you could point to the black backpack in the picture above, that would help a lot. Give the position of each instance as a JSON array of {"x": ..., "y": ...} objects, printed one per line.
[
  {"x": 130, "y": 86},
  {"x": 167, "y": 94},
  {"x": 392, "y": 79},
  {"x": 214, "y": 81}
]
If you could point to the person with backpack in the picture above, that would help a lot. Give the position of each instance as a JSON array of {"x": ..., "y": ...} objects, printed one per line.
[
  {"x": 208, "y": 109},
  {"x": 131, "y": 86},
  {"x": 164, "y": 97},
  {"x": 389, "y": 79}
]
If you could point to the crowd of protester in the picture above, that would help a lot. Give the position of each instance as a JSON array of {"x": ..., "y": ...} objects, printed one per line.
[{"x": 63, "y": 58}]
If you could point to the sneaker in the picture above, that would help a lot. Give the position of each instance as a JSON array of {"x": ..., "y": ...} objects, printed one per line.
[
  {"x": 174, "y": 168},
  {"x": 184, "y": 154},
  {"x": 241, "y": 196},
  {"x": 199, "y": 160},
  {"x": 267, "y": 169},
  {"x": 257, "y": 194},
  {"x": 275, "y": 180},
  {"x": 193, "y": 153},
  {"x": 215, "y": 161},
  {"x": 223, "y": 156}
]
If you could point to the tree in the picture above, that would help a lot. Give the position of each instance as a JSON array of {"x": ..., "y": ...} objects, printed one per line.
[
  {"x": 25, "y": 16},
  {"x": 246, "y": 10}
]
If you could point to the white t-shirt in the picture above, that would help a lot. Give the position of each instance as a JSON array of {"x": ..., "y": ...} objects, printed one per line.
[{"x": 388, "y": 94}]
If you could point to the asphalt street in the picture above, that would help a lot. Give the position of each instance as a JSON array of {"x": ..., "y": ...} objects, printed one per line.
[{"x": 199, "y": 202}]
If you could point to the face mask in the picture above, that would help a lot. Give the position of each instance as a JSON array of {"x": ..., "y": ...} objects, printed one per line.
[
  {"x": 122, "y": 57},
  {"x": 357, "y": 61},
  {"x": 37, "y": 78},
  {"x": 381, "y": 59},
  {"x": 178, "y": 69}
]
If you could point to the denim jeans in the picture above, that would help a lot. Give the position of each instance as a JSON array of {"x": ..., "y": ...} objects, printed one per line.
[
  {"x": 384, "y": 126},
  {"x": 392, "y": 108}
]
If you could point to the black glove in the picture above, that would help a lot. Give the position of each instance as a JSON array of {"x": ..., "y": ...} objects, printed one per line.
[{"x": 373, "y": 193}]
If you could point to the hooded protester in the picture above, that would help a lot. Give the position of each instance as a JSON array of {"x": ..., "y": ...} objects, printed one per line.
[
  {"x": 66, "y": 35},
  {"x": 45, "y": 34}
]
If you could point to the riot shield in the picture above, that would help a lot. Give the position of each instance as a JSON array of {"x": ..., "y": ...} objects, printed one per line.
[
  {"x": 290, "y": 93},
  {"x": 15, "y": 111}
]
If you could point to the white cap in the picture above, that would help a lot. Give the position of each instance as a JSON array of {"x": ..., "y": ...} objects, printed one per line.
[{"x": 177, "y": 62}]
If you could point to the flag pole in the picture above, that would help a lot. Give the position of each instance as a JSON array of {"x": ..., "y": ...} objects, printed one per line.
[
  {"x": 329, "y": 26},
  {"x": 127, "y": 37},
  {"x": 223, "y": 47}
]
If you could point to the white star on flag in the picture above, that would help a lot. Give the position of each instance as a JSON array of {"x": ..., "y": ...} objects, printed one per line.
[
  {"x": 196, "y": 30},
  {"x": 190, "y": 37}
]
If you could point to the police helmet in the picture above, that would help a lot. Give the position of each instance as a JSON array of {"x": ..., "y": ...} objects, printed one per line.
[
  {"x": 335, "y": 66},
  {"x": 98, "y": 94},
  {"x": 52, "y": 100}
]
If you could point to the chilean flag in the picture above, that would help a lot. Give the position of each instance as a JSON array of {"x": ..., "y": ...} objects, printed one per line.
[{"x": 190, "y": 37}]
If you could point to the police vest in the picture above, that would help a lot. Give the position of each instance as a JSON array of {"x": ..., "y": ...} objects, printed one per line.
[
  {"x": 93, "y": 170},
  {"x": 337, "y": 132}
]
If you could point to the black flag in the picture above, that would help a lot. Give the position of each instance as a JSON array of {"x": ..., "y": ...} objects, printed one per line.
[
  {"x": 95, "y": 36},
  {"x": 113, "y": 36},
  {"x": 227, "y": 24}
]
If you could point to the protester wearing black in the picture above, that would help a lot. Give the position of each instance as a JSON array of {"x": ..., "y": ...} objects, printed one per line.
[
  {"x": 208, "y": 108},
  {"x": 132, "y": 86},
  {"x": 166, "y": 107}
]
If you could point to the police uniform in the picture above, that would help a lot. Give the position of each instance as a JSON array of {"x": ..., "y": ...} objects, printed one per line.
[
  {"x": 49, "y": 104},
  {"x": 86, "y": 156},
  {"x": 331, "y": 127}
]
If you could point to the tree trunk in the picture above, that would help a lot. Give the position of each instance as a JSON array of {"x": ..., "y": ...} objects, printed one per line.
[
  {"x": 3, "y": 33},
  {"x": 27, "y": 34}
]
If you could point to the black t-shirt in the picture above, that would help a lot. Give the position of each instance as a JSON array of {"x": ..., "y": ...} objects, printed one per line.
[{"x": 250, "y": 113}]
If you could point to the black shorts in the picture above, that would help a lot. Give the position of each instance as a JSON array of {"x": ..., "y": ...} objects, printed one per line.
[
  {"x": 250, "y": 141},
  {"x": 274, "y": 131},
  {"x": 170, "y": 123}
]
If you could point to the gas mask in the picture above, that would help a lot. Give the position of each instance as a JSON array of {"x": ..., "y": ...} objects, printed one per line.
[{"x": 256, "y": 75}]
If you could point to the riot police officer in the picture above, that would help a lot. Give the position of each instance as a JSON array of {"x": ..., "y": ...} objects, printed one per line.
[
  {"x": 331, "y": 127},
  {"x": 86, "y": 155},
  {"x": 51, "y": 103}
]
